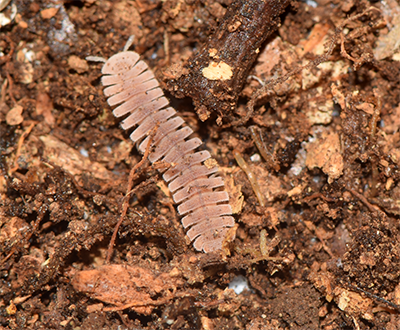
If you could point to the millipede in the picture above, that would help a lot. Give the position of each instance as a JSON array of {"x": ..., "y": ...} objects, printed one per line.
[{"x": 132, "y": 88}]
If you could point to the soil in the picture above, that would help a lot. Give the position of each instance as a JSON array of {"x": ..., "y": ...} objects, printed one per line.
[{"x": 309, "y": 147}]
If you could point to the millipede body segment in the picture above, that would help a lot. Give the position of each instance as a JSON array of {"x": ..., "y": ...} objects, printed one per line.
[{"x": 132, "y": 87}]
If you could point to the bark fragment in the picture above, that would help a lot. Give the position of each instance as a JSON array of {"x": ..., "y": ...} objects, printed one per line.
[{"x": 232, "y": 49}]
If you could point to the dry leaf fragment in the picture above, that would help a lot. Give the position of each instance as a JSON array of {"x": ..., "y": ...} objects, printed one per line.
[
  {"x": 122, "y": 285},
  {"x": 353, "y": 303},
  {"x": 61, "y": 154},
  {"x": 315, "y": 41},
  {"x": 325, "y": 153},
  {"x": 14, "y": 116},
  {"x": 366, "y": 107},
  {"x": 236, "y": 197}
]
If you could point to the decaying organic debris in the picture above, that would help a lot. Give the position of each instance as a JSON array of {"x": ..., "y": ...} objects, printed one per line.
[
  {"x": 127, "y": 286},
  {"x": 324, "y": 148}
]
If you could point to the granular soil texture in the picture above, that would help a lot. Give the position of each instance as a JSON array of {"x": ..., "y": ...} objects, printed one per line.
[{"x": 298, "y": 103}]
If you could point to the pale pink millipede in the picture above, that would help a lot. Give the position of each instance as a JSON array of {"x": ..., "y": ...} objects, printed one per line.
[{"x": 132, "y": 87}]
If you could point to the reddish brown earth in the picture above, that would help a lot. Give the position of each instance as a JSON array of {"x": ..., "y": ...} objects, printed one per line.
[{"x": 316, "y": 195}]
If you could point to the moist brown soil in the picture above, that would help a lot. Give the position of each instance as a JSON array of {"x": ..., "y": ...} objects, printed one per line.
[{"x": 310, "y": 160}]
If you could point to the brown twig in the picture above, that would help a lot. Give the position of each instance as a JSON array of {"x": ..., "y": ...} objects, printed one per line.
[
  {"x": 361, "y": 197},
  {"x": 129, "y": 192},
  {"x": 10, "y": 87},
  {"x": 3, "y": 91},
  {"x": 20, "y": 142},
  {"x": 235, "y": 45},
  {"x": 373, "y": 125},
  {"x": 265, "y": 153},
  {"x": 8, "y": 57},
  {"x": 317, "y": 195}
]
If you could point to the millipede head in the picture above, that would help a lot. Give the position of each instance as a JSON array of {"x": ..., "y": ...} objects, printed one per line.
[{"x": 120, "y": 63}]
